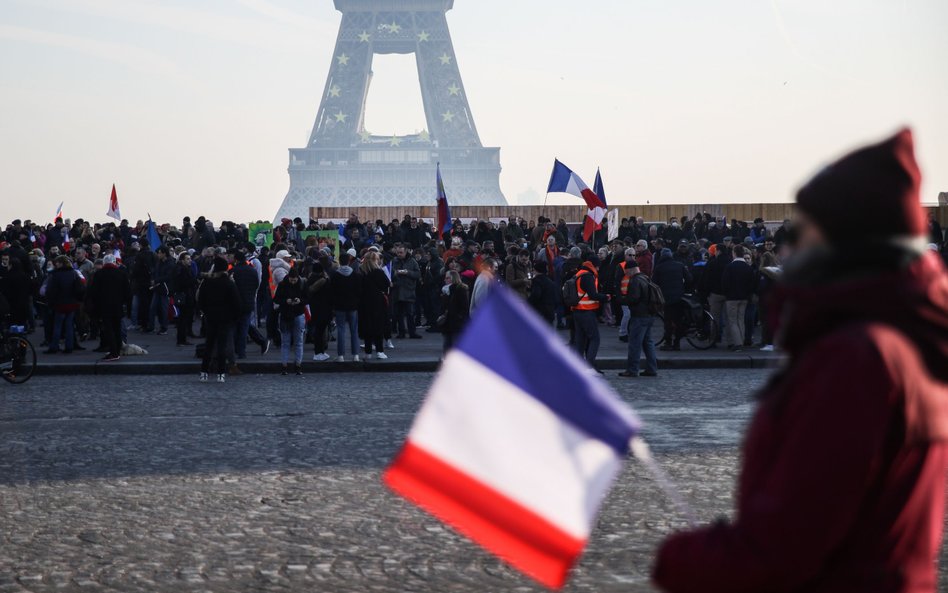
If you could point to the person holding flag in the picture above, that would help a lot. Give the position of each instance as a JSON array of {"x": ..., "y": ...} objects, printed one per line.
[{"x": 843, "y": 480}]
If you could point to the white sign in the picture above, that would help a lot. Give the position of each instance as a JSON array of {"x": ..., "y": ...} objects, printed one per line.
[{"x": 612, "y": 217}]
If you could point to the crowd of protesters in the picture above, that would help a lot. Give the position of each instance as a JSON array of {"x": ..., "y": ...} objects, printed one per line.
[{"x": 87, "y": 282}]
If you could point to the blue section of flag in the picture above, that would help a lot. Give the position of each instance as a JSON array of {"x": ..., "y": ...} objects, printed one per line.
[
  {"x": 559, "y": 178},
  {"x": 154, "y": 240},
  {"x": 512, "y": 341},
  {"x": 597, "y": 187}
]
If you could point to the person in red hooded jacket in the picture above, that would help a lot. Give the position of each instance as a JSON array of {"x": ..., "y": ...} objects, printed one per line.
[{"x": 842, "y": 487}]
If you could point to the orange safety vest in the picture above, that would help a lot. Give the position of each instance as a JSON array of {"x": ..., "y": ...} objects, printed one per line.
[
  {"x": 586, "y": 303},
  {"x": 624, "y": 283}
]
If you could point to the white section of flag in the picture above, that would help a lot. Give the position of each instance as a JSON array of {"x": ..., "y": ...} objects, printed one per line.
[
  {"x": 576, "y": 186},
  {"x": 506, "y": 439},
  {"x": 613, "y": 224}
]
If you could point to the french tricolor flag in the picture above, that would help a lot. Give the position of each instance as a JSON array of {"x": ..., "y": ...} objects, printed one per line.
[
  {"x": 563, "y": 180},
  {"x": 515, "y": 447}
]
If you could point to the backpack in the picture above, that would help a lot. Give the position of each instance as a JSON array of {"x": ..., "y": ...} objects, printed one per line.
[
  {"x": 656, "y": 300},
  {"x": 570, "y": 291}
]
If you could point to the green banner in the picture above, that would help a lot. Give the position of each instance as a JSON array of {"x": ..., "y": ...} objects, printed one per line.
[
  {"x": 324, "y": 238},
  {"x": 260, "y": 233}
]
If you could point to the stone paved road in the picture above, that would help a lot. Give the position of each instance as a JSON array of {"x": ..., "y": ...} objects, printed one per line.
[{"x": 271, "y": 483}]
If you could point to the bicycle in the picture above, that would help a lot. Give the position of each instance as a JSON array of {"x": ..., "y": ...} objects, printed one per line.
[
  {"x": 701, "y": 330},
  {"x": 17, "y": 355}
]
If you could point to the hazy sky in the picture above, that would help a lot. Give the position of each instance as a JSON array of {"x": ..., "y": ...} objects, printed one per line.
[{"x": 189, "y": 106}]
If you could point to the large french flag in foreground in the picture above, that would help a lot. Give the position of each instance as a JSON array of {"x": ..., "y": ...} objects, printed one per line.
[{"x": 515, "y": 447}]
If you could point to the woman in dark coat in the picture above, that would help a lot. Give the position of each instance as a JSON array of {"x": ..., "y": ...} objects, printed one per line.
[
  {"x": 456, "y": 305},
  {"x": 373, "y": 305}
]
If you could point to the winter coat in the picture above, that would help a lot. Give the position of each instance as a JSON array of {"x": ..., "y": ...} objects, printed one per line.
[
  {"x": 842, "y": 487},
  {"x": 672, "y": 277},
  {"x": 543, "y": 296},
  {"x": 108, "y": 292},
  {"x": 218, "y": 298},
  {"x": 247, "y": 282},
  {"x": 63, "y": 290},
  {"x": 738, "y": 281},
  {"x": 183, "y": 284},
  {"x": 517, "y": 277},
  {"x": 318, "y": 295},
  {"x": 345, "y": 289},
  {"x": 645, "y": 262},
  {"x": 286, "y": 292},
  {"x": 637, "y": 299},
  {"x": 161, "y": 276},
  {"x": 373, "y": 304},
  {"x": 456, "y": 306},
  {"x": 404, "y": 284}
]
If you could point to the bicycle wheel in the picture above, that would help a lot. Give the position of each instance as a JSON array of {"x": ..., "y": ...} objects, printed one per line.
[
  {"x": 702, "y": 335},
  {"x": 21, "y": 364},
  {"x": 661, "y": 327}
]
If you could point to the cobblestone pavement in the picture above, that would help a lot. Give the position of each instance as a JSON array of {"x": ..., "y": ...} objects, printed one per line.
[{"x": 271, "y": 483}]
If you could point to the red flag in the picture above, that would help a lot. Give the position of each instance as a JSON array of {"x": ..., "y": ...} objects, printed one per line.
[{"x": 114, "y": 211}]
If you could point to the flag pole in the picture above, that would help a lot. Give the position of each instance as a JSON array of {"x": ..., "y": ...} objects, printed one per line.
[{"x": 642, "y": 452}]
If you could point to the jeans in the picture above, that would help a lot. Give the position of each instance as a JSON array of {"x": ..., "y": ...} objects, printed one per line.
[
  {"x": 63, "y": 327},
  {"x": 735, "y": 322},
  {"x": 344, "y": 320},
  {"x": 404, "y": 314},
  {"x": 291, "y": 331},
  {"x": 159, "y": 308},
  {"x": 750, "y": 323},
  {"x": 624, "y": 322},
  {"x": 587, "y": 335},
  {"x": 640, "y": 338}
]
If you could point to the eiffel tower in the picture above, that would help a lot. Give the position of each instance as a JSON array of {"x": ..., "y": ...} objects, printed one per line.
[{"x": 344, "y": 164}]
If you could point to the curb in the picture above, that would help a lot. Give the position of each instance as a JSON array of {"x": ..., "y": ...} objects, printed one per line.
[{"x": 416, "y": 366}]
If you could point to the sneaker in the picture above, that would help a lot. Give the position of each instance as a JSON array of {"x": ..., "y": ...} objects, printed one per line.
[
  {"x": 284, "y": 371},
  {"x": 265, "y": 348},
  {"x": 111, "y": 358},
  {"x": 162, "y": 332},
  {"x": 767, "y": 348},
  {"x": 623, "y": 338},
  {"x": 356, "y": 358},
  {"x": 389, "y": 344},
  {"x": 381, "y": 355},
  {"x": 220, "y": 378},
  {"x": 203, "y": 377},
  {"x": 341, "y": 359},
  {"x": 628, "y": 374},
  {"x": 299, "y": 371},
  {"x": 320, "y": 357}
]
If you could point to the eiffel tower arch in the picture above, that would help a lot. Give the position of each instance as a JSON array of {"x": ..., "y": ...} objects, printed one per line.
[{"x": 343, "y": 164}]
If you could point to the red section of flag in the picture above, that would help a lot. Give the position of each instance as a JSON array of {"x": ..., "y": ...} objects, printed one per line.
[
  {"x": 589, "y": 227},
  {"x": 592, "y": 200},
  {"x": 502, "y": 526}
]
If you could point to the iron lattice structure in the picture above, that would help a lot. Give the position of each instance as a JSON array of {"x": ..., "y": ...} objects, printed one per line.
[{"x": 343, "y": 164}]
